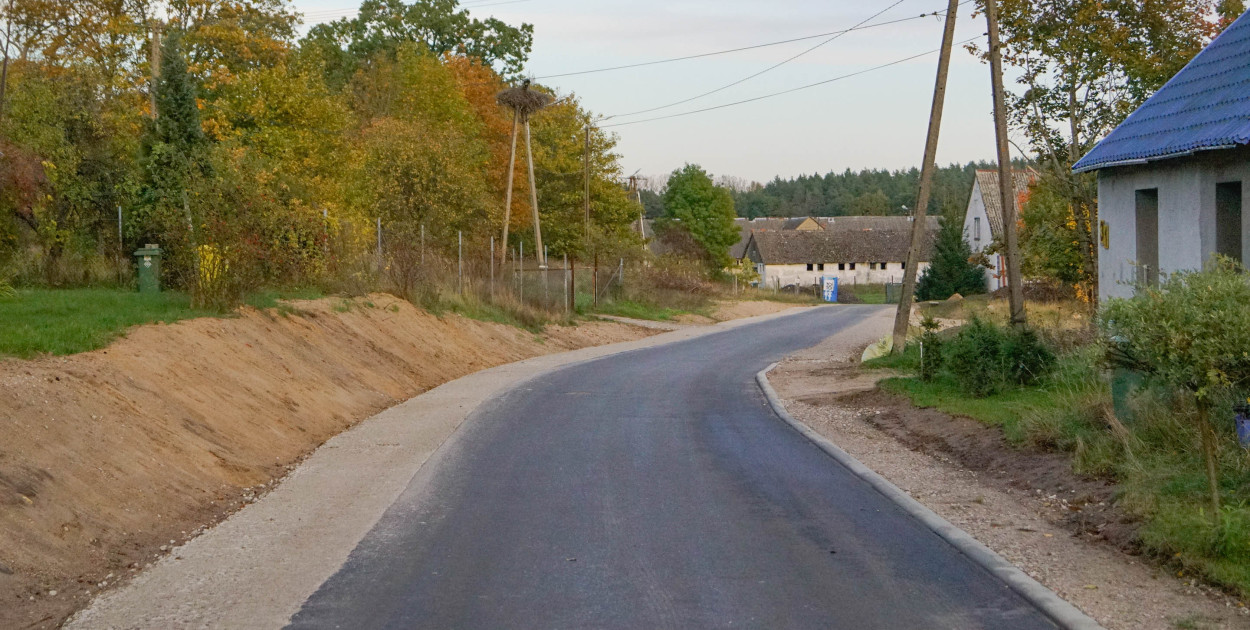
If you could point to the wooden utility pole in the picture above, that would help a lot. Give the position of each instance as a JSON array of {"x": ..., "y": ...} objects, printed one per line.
[
  {"x": 919, "y": 233},
  {"x": 538, "y": 232},
  {"x": 155, "y": 61},
  {"x": 586, "y": 177},
  {"x": 507, "y": 204},
  {"x": 1006, "y": 181}
]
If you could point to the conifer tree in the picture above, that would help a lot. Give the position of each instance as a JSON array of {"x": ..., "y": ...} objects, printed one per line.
[{"x": 951, "y": 270}]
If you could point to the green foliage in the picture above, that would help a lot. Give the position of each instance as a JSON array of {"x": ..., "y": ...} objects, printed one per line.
[
  {"x": 6, "y": 290},
  {"x": 849, "y": 193},
  {"x": 931, "y": 349},
  {"x": 67, "y": 321},
  {"x": 985, "y": 358},
  {"x": 1193, "y": 331},
  {"x": 1050, "y": 243},
  {"x": 951, "y": 270},
  {"x": 694, "y": 205},
  {"x": 382, "y": 27}
]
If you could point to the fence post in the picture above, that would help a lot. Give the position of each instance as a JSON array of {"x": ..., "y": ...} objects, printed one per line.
[
  {"x": 521, "y": 269},
  {"x": 379, "y": 245},
  {"x": 423, "y": 244},
  {"x": 542, "y": 268},
  {"x": 620, "y": 274},
  {"x": 121, "y": 246},
  {"x": 460, "y": 261},
  {"x": 492, "y": 267}
]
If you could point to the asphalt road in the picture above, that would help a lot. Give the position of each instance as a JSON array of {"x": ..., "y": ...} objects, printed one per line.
[{"x": 655, "y": 489}]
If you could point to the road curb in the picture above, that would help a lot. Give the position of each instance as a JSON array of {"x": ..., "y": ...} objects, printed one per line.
[{"x": 1064, "y": 614}]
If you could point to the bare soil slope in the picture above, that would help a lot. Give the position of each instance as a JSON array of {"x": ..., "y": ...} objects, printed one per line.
[{"x": 109, "y": 455}]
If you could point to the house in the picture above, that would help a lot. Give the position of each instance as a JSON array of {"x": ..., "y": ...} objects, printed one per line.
[
  {"x": 746, "y": 226},
  {"x": 983, "y": 221},
  {"x": 856, "y": 250},
  {"x": 1172, "y": 176}
]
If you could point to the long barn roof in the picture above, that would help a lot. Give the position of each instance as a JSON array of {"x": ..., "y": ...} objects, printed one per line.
[{"x": 1205, "y": 106}]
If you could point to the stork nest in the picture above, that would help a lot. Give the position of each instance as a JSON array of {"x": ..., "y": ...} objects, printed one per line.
[{"x": 524, "y": 100}]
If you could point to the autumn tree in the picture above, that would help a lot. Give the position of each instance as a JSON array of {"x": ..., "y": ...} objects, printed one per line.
[
  {"x": 1082, "y": 67},
  {"x": 692, "y": 204},
  {"x": 382, "y": 27}
]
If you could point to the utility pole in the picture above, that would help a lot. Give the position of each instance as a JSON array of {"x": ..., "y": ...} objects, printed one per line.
[
  {"x": 538, "y": 231},
  {"x": 507, "y": 204},
  {"x": 1006, "y": 181},
  {"x": 919, "y": 233}
]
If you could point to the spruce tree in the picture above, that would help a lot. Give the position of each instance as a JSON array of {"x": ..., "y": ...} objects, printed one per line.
[
  {"x": 176, "y": 141},
  {"x": 951, "y": 270}
]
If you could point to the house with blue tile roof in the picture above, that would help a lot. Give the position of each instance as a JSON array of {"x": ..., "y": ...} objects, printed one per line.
[{"x": 1172, "y": 177}]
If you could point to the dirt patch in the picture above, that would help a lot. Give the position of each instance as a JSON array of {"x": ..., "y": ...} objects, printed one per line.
[
  {"x": 725, "y": 311},
  {"x": 109, "y": 458},
  {"x": 1027, "y": 506}
]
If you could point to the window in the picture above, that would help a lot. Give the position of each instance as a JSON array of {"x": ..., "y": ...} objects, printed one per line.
[
  {"x": 976, "y": 228},
  {"x": 820, "y": 267},
  {"x": 1148, "y": 237},
  {"x": 809, "y": 266},
  {"x": 1228, "y": 220},
  {"x": 872, "y": 266},
  {"x": 842, "y": 267},
  {"x": 902, "y": 265},
  {"x": 852, "y": 266}
]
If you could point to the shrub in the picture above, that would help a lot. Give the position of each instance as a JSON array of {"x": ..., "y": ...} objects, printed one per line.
[
  {"x": 984, "y": 358},
  {"x": 6, "y": 290},
  {"x": 930, "y": 349}
]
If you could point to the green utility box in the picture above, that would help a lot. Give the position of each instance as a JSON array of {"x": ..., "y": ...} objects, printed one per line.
[{"x": 148, "y": 261}]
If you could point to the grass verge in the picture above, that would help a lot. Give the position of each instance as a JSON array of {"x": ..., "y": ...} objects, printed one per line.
[
  {"x": 1153, "y": 456},
  {"x": 68, "y": 321}
]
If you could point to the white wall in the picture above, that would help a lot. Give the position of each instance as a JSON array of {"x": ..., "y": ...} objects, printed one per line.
[
  {"x": 996, "y": 276},
  {"x": 783, "y": 275},
  {"x": 1186, "y": 214}
]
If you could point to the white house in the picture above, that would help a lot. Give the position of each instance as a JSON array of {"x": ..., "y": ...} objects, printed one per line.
[
  {"x": 856, "y": 250},
  {"x": 983, "y": 222},
  {"x": 1172, "y": 177}
]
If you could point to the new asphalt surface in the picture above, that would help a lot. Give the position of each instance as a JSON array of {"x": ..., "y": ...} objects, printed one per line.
[{"x": 655, "y": 489}]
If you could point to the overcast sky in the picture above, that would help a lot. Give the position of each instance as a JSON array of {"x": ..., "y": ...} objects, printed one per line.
[{"x": 876, "y": 120}]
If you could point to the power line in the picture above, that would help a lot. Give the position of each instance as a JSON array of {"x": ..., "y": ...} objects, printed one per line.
[
  {"x": 761, "y": 72},
  {"x": 743, "y": 48},
  {"x": 789, "y": 91}
]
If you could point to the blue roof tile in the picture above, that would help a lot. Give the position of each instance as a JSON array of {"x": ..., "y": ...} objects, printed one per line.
[{"x": 1205, "y": 106}]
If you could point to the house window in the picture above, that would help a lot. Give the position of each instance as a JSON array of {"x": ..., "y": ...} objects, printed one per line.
[
  {"x": 872, "y": 266},
  {"x": 976, "y": 228},
  {"x": 1148, "y": 237},
  {"x": 820, "y": 266},
  {"x": 841, "y": 266},
  {"x": 902, "y": 265},
  {"x": 1228, "y": 220},
  {"x": 809, "y": 266},
  {"x": 852, "y": 266}
]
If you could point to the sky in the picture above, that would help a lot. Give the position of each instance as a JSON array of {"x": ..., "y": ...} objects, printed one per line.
[{"x": 876, "y": 120}]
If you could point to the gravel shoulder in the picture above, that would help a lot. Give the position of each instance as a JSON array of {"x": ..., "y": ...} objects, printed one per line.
[{"x": 1029, "y": 508}]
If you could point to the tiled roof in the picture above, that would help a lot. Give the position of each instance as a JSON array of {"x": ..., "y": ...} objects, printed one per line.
[
  {"x": 1205, "y": 106},
  {"x": 987, "y": 182},
  {"x": 796, "y": 247},
  {"x": 844, "y": 224}
]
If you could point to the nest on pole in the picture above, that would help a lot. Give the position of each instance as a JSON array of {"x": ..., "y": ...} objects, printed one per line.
[{"x": 523, "y": 100}]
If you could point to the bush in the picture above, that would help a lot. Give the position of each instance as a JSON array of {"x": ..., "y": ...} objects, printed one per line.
[
  {"x": 6, "y": 290},
  {"x": 931, "y": 350},
  {"x": 985, "y": 358}
]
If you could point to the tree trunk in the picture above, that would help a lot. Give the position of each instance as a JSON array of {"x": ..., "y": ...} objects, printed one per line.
[{"x": 1209, "y": 448}]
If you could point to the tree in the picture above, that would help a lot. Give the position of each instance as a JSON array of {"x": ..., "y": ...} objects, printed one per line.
[
  {"x": 951, "y": 270},
  {"x": 694, "y": 205},
  {"x": 382, "y": 27},
  {"x": 1083, "y": 66},
  {"x": 1193, "y": 331}
]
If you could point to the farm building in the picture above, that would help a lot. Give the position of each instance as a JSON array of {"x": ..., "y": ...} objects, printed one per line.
[
  {"x": 856, "y": 250},
  {"x": 983, "y": 222},
  {"x": 1172, "y": 176}
]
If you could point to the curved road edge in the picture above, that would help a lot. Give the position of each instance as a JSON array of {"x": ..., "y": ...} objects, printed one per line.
[
  {"x": 1056, "y": 608},
  {"x": 256, "y": 568}
]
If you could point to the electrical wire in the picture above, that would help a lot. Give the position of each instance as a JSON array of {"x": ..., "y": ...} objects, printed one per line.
[
  {"x": 789, "y": 91},
  {"x": 743, "y": 48},
  {"x": 761, "y": 72}
]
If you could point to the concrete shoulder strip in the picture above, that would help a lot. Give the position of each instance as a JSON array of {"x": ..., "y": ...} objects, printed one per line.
[
  {"x": 256, "y": 568},
  {"x": 1056, "y": 608}
]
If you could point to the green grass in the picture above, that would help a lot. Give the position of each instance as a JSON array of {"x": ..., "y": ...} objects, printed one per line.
[
  {"x": 867, "y": 293},
  {"x": 67, "y": 321},
  {"x": 637, "y": 310},
  {"x": 1155, "y": 460},
  {"x": 274, "y": 298}
]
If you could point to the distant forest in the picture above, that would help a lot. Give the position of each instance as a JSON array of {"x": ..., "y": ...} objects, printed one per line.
[{"x": 850, "y": 193}]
